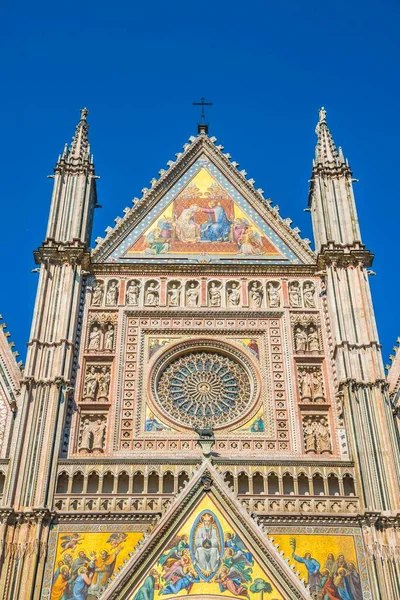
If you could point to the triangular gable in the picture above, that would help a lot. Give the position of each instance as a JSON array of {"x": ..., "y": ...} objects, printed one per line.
[
  {"x": 203, "y": 210},
  {"x": 206, "y": 545}
]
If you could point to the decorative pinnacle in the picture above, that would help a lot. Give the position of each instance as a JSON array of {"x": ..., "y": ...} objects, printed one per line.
[
  {"x": 326, "y": 153},
  {"x": 84, "y": 114},
  {"x": 80, "y": 143}
]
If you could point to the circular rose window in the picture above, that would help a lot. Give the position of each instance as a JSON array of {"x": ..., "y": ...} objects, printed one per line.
[{"x": 204, "y": 387}]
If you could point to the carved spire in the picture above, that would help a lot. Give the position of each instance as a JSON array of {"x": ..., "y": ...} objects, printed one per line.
[
  {"x": 326, "y": 153},
  {"x": 80, "y": 148}
]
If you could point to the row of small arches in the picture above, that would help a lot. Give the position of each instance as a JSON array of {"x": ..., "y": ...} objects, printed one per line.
[
  {"x": 302, "y": 484},
  {"x": 109, "y": 483}
]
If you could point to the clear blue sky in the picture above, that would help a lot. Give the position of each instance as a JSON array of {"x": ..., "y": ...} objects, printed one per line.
[{"x": 267, "y": 66}]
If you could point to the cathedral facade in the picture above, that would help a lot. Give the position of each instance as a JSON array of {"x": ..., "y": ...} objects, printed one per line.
[{"x": 204, "y": 410}]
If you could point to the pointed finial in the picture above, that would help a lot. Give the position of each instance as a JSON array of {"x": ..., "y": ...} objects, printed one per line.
[
  {"x": 80, "y": 145},
  {"x": 322, "y": 115}
]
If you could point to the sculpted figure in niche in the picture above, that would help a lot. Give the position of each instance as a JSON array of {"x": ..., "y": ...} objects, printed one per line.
[
  {"x": 310, "y": 383},
  {"x": 152, "y": 294},
  {"x": 309, "y": 295},
  {"x": 99, "y": 429},
  {"x": 109, "y": 337},
  {"x": 104, "y": 382},
  {"x": 273, "y": 295},
  {"x": 300, "y": 339},
  {"x": 86, "y": 436},
  {"x": 214, "y": 294},
  {"x": 317, "y": 383},
  {"x": 234, "y": 295},
  {"x": 90, "y": 385},
  {"x": 313, "y": 339},
  {"x": 192, "y": 295},
  {"x": 256, "y": 295},
  {"x": 306, "y": 385},
  {"x": 309, "y": 435},
  {"x": 132, "y": 293},
  {"x": 98, "y": 292},
  {"x": 95, "y": 338},
  {"x": 174, "y": 295},
  {"x": 323, "y": 437},
  {"x": 294, "y": 294},
  {"x": 112, "y": 293}
]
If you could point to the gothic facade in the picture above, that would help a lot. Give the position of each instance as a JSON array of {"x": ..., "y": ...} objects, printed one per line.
[{"x": 204, "y": 409}]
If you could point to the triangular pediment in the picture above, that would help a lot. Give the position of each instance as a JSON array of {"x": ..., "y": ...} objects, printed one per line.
[
  {"x": 206, "y": 546},
  {"x": 203, "y": 210}
]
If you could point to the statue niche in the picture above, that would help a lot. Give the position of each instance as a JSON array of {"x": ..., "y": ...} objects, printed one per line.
[
  {"x": 174, "y": 291},
  {"x": 215, "y": 294},
  {"x": 132, "y": 293},
  {"x": 233, "y": 294},
  {"x": 311, "y": 384},
  {"x": 92, "y": 433},
  {"x": 192, "y": 294},
  {"x": 97, "y": 382},
  {"x": 317, "y": 438}
]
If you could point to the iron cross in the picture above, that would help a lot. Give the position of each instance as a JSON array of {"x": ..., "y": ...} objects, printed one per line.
[{"x": 202, "y": 103}]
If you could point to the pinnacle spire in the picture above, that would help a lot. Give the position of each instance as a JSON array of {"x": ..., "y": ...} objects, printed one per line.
[
  {"x": 80, "y": 148},
  {"x": 326, "y": 153}
]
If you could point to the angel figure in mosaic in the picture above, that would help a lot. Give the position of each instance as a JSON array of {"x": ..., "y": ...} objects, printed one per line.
[
  {"x": 185, "y": 582},
  {"x": 71, "y": 541},
  {"x": 231, "y": 580},
  {"x": 175, "y": 548}
]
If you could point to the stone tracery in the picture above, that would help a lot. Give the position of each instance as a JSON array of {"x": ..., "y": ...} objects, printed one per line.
[{"x": 204, "y": 388}]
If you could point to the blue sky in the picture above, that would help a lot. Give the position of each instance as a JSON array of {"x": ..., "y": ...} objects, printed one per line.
[{"x": 267, "y": 66}]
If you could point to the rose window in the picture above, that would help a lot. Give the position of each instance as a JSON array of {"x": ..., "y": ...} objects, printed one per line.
[{"x": 204, "y": 388}]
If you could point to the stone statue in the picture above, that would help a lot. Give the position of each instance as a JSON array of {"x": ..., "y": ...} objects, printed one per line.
[
  {"x": 86, "y": 436},
  {"x": 309, "y": 435},
  {"x": 174, "y": 295},
  {"x": 109, "y": 337},
  {"x": 95, "y": 338},
  {"x": 306, "y": 385},
  {"x": 317, "y": 384},
  {"x": 152, "y": 295},
  {"x": 104, "y": 382},
  {"x": 112, "y": 293},
  {"x": 132, "y": 294},
  {"x": 98, "y": 292},
  {"x": 192, "y": 295},
  {"x": 234, "y": 295},
  {"x": 313, "y": 339},
  {"x": 273, "y": 295},
  {"x": 309, "y": 295},
  {"x": 99, "y": 428},
  {"x": 310, "y": 384},
  {"x": 214, "y": 294},
  {"x": 323, "y": 437},
  {"x": 294, "y": 294},
  {"x": 300, "y": 339},
  {"x": 256, "y": 295},
  {"x": 90, "y": 385}
]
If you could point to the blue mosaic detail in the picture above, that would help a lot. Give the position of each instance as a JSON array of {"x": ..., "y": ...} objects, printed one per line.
[{"x": 119, "y": 254}]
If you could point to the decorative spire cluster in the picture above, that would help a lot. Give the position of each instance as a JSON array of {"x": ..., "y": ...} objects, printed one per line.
[
  {"x": 326, "y": 153},
  {"x": 79, "y": 151}
]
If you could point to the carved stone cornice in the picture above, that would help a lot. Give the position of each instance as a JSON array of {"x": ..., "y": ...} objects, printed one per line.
[
  {"x": 203, "y": 269},
  {"x": 343, "y": 256},
  {"x": 59, "y": 253}
]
